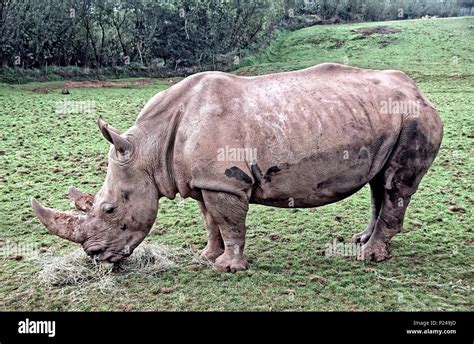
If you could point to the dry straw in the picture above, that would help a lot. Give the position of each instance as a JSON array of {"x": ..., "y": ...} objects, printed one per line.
[{"x": 76, "y": 268}]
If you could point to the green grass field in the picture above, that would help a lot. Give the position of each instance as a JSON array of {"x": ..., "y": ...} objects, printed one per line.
[{"x": 42, "y": 153}]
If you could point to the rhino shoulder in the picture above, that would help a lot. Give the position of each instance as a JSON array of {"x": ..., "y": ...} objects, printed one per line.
[{"x": 213, "y": 79}]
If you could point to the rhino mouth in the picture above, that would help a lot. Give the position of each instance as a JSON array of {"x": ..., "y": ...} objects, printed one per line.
[{"x": 105, "y": 255}]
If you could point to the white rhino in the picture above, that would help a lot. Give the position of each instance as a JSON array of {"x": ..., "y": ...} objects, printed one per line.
[{"x": 316, "y": 136}]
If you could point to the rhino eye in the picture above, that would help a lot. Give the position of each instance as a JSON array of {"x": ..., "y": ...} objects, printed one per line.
[
  {"x": 108, "y": 208},
  {"x": 125, "y": 194}
]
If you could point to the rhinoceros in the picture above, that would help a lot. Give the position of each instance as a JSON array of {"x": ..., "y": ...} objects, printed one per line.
[{"x": 294, "y": 139}]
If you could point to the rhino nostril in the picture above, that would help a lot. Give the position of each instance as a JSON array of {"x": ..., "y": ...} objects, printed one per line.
[{"x": 95, "y": 252}]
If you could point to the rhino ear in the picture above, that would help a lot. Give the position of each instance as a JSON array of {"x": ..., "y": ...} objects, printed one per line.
[
  {"x": 105, "y": 129},
  {"x": 121, "y": 144}
]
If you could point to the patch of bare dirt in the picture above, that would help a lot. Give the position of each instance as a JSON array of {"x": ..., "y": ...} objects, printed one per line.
[
  {"x": 337, "y": 44},
  {"x": 380, "y": 30},
  {"x": 44, "y": 89},
  {"x": 247, "y": 71},
  {"x": 315, "y": 41}
]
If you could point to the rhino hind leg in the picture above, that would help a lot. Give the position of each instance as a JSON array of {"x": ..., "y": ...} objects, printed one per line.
[
  {"x": 215, "y": 244},
  {"x": 229, "y": 212},
  {"x": 388, "y": 224},
  {"x": 376, "y": 191},
  {"x": 402, "y": 175}
]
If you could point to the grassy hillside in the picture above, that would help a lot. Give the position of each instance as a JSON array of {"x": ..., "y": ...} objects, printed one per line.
[
  {"x": 422, "y": 48},
  {"x": 43, "y": 152}
]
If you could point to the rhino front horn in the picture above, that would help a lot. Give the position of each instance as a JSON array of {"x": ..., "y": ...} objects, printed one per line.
[{"x": 62, "y": 224}]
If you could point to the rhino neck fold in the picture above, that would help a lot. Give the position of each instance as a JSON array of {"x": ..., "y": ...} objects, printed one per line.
[{"x": 162, "y": 136}]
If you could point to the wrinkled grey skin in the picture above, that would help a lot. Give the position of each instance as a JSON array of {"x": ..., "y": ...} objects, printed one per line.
[{"x": 317, "y": 136}]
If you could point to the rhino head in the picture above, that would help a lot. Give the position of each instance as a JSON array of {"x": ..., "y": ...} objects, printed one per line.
[{"x": 111, "y": 224}]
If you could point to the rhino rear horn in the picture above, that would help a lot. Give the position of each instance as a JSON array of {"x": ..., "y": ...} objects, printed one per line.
[
  {"x": 64, "y": 225},
  {"x": 83, "y": 201}
]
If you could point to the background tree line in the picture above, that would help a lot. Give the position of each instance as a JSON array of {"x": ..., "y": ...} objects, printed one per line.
[
  {"x": 173, "y": 35},
  {"x": 99, "y": 33}
]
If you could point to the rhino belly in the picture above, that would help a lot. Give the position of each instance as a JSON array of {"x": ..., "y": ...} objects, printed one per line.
[{"x": 320, "y": 178}]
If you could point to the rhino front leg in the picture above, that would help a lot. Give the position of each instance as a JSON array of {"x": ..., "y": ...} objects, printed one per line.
[
  {"x": 229, "y": 211},
  {"x": 215, "y": 244}
]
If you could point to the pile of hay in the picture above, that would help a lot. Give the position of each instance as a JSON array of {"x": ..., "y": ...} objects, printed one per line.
[{"x": 76, "y": 268}]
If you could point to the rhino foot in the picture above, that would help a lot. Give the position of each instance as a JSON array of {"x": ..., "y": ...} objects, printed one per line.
[
  {"x": 226, "y": 264},
  {"x": 376, "y": 251},
  {"x": 362, "y": 237},
  {"x": 211, "y": 254}
]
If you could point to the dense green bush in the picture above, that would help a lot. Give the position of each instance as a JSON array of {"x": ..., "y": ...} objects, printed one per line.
[{"x": 99, "y": 33}]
